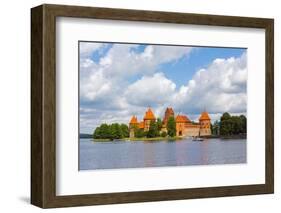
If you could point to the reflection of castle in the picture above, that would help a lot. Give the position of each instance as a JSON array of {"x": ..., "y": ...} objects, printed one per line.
[{"x": 184, "y": 127}]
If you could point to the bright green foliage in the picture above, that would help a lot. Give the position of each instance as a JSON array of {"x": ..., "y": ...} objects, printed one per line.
[
  {"x": 97, "y": 133},
  {"x": 171, "y": 127},
  {"x": 153, "y": 130},
  {"x": 124, "y": 130},
  {"x": 113, "y": 131},
  {"x": 105, "y": 131},
  {"x": 139, "y": 133}
]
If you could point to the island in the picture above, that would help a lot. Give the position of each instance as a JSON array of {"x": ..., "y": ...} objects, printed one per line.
[{"x": 172, "y": 127}]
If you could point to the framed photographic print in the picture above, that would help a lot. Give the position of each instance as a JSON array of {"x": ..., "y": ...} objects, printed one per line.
[{"x": 136, "y": 106}]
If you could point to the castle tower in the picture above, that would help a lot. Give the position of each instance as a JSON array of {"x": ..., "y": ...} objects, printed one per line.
[
  {"x": 181, "y": 121},
  {"x": 148, "y": 117},
  {"x": 205, "y": 124},
  {"x": 168, "y": 113},
  {"x": 132, "y": 125}
]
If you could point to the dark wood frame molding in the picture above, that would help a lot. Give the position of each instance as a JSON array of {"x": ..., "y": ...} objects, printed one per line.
[{"x": 43, "y": 105}]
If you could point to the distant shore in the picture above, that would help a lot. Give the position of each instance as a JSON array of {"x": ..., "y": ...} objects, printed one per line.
[{"x": 84, "y": 135}]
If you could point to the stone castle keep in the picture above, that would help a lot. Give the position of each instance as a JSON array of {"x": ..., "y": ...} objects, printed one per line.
[{"x": 184, "y": 126}]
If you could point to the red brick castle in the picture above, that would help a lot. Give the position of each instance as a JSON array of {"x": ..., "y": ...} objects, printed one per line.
[{"x": 184, "y": 126}]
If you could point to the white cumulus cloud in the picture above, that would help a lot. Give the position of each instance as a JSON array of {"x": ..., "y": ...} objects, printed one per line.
[
  {"x": 125, "y": 80},
  {"x": 151, "y": 90},
  {"x": 219, "y": 87},
  {"x": 87, "y": 48}
]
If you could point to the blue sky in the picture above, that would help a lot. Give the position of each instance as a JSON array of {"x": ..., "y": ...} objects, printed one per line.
[
  {"x": 201, "y": 57},
  {"x": 181, "y": 70},
  {"x": 119, "y": 80}
]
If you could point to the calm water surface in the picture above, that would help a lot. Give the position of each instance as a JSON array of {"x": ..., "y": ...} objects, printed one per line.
[{"x": 139, "y": 154}]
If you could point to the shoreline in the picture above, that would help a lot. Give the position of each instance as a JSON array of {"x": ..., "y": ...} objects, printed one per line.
[
  {"x": 139, "y": 139},
  {"x": 170, "y": 138},
  {"x": 156, "y": 139},
  {"x": 244, "y": 136}
]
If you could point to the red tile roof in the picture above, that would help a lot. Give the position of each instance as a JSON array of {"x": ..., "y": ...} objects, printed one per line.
[
  {"x": 134, "y": 120},
  {"x": 149, "y": 115},
  {"x": 204, "y": 116},
  {"x": 182, "y": 119},
  {"x": 141, "y": 125}
]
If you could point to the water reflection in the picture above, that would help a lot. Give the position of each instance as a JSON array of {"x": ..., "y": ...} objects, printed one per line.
[
  {"x": 204, "y": 152},
  {"x": 163, "y": 153}
]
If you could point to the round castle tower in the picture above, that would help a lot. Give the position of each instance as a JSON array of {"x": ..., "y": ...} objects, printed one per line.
[{"x": 205, "y": 124}]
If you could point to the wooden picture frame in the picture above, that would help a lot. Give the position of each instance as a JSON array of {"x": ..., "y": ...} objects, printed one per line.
[{"x": 43, "y": 105}]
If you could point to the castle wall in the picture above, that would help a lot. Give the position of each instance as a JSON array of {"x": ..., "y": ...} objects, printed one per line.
[
  {"x": 164, "y": 129},
  {"x": 180, "y": 129},
  {"x": 184, "y": 127},
  {"x": 187, "y": 130},
  {"x": 131, "y": 130},
  {"x": 132, "y": 133},
  {"x": 205, "y": 128},
  {"x": 146, "y": 125},
  {"x": 192, "y": 132},
  {"x": 205, "y": 132}
]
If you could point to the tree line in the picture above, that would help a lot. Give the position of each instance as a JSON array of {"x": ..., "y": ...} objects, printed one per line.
[
  {"x": 230, "y": 125},
  {"x": 119, "y": 131},
  {"x": 111, "y": 131},
  {"x": 226, "y": 126},
  {"x": 155, "y": 129}
]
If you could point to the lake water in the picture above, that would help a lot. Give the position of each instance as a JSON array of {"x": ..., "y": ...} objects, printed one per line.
[{"x": 139, "y": 154}]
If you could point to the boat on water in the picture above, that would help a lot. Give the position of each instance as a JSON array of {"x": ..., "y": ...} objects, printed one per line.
[{"x": 197, "y": 139}]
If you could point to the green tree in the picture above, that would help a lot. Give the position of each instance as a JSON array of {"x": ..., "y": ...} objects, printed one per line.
[
  {"x": 153, "y": 130},
  {"x": 236, "y": 125},
  {"x": 97, "y": 134},
  {"x": 105, "y": 131},
  {"x": 225, "y": 116},
  {"x": 115, "y": 131},
  {"x": 139, "y": 133},
  {"x": 124, "y": 130},
  {"x": 244, "y": 123},
  {"x": 163, "y": 134},
  {"x": 225, "y": 127},
  {"x": 171, "y": 127},
  {"x": 232, "y": 125},
  {"x": 215, "y": 128},
  {"x": 159, "y": 124},
  {"x": 226, "y": 124}
]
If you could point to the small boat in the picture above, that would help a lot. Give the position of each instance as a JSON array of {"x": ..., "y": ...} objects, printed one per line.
[{"x": 197, "y": 139}]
